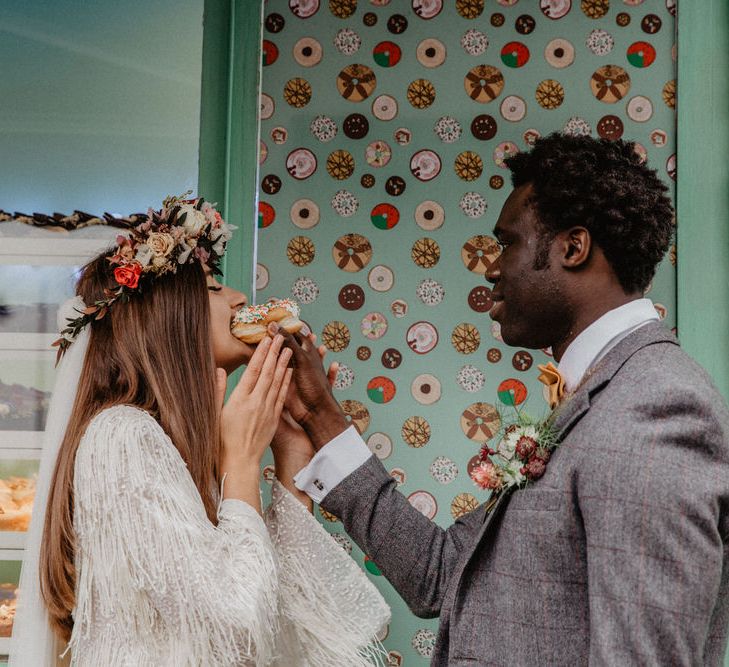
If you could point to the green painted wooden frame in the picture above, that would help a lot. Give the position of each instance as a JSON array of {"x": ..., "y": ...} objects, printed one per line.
[
  {"x": 703, "y": 186},
  {"x": 228, "y": 168}
]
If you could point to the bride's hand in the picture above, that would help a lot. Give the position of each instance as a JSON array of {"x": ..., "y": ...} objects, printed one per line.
[{"x": 251, "y": 416}]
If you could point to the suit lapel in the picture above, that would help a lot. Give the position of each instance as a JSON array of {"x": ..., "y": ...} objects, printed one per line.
[{"x": 569, "y": 413}]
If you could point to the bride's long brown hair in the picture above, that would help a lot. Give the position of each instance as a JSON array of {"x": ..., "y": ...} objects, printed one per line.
[{"x": 153, "y": 352}]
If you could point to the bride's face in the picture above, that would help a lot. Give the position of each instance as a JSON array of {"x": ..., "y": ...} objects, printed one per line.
[{"x": 228, "y": 351}]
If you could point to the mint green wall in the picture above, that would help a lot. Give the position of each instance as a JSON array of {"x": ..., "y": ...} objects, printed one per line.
[
  {"x": 703, "y": 192},
  {"x": 100, "y": 103}
]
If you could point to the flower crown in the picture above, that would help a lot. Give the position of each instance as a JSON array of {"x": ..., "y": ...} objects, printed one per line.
[{"x": 183, "y": 231}]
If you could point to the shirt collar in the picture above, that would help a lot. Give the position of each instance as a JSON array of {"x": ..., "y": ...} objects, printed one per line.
[{"x": 601, "y": 336}]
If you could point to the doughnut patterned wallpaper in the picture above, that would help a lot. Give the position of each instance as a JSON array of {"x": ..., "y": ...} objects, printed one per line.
[{"x": 384, "y": 127}]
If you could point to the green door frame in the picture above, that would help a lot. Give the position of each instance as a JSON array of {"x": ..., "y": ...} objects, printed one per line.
[{"x": 229, "y": 169}]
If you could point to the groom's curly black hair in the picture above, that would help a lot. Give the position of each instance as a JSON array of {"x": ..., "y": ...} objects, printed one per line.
[{"x": 600, "y": 185}]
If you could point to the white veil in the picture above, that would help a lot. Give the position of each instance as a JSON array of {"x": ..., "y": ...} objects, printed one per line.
[{"x": 33, "y": 642}]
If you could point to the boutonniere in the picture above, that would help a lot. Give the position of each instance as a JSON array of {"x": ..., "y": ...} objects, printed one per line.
[{"x": 520, "y": 457}]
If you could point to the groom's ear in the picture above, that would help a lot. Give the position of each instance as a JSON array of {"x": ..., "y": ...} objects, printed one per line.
[{"x": 575, "y": 246}]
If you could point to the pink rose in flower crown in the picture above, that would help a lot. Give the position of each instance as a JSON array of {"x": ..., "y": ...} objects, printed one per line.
[
  {"x": 487, "y": 476},
  {"x": 128, "y": 275}
]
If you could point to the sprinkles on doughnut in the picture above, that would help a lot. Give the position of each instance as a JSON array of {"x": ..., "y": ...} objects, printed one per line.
[{"x": 250, "y": 323}]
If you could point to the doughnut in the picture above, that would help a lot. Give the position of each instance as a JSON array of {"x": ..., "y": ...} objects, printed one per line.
[
  {"x": 340, "y": 164},
  {"x": 269, "y": 51},
  {"x": 595, "y": 9},
  {"x": 610, "y": 83},
  {"x": 423, "y": 501},
  {"x": 479, "y": 253},
  {"x": 351, "y": 297},
  {"x": 496, "y": 182},
  {"x": 669, "y": 94},
  {"x": 422, "y": 337},
  {"x": 373, "y": 326},
  {"x": 468, "y": 165},
  {"x": 336, "y": 336},
  {"x": 352, "y": 252},
  {"x": 430, "y": 292},
  {"x": 479, "y": 299},
  {"x": 342, "y": 9},
  {"x": 515, "y": 54},
  {"x": 250, "y": 322},
  {"x": 357, "y": 414},
  {"x": 399, "y": 308},
  {"x": 640, "y": 109},
  {"x": 391, "y": 358},
  {"x": 473, "y": 204},
  {"x": 513, "y": 108},
  {"x": 480, "y": 422},
  {"x": 623, "y": 19},
  {"x": 275, "y": 23},
  {"x": 271, "y": 184},
  {"x": 484, "y": 83},
  {"x": 347, "y": 42},
  {"x": 397, "y": 24},
  {"x": 384, "y": 107},
  {"x": 297, "y": 92},
  {"x": 577, "y": 127},
  {"x": 386, "y": 54},
  {"x": 448, "y": 129},
  {"x": 559, "y": 53},
  {"x": 381, "y": 278},
  {"x": 531, "y": 136},
  {"x": 497, "y": 19},
  {"x": 416, "y": 431},
  {"x": 474, "y": 42},
  {"x": 421, "y": 93},
  {"x": 380, "y": 445},
  {"x": 356, "y": 126},
  {"x": 522, "y": 360},
  {"x": 556, "y": 9},
  {"x": 470, "y": 378},
  {"x": 356, "y": 82},
  {"x": 462, "y": 504},
  {"x": 384, "y": 216},
  {"x": 425, "y": 165},
  {"x": 425, "y": 253},
  {"x": 300, "y": 251},
  {"x": 301, "y": 163},
  {"x": 345, "y": 377},
  {"x": 610, "y": 127},
  {"x": 378, "y": 154},
  {"x": 427, "y": 9},
  {"x": 262, "y": 276},
  {"x": 429, "y": 215},
  {"x": 381, "y": 389},
  {"x": 304, "y": 8},
  {"x": 493, "y": 356},
  {"x": 431, "y": 53},
  {"x": 323, "y": 128},
  {"x": 395, "y": 186},
  {"x": 512, "y": 392},
  {"x": 549, "y": 94},
  {"x": 600, "y": 42},
  {"x": 266, "y": 214},
  {"x": 483, "y": 127},
  {"x": 426, "y": 389},
  {"x": 402, "y": 136},
  {"x": 465, "y": 338},
  {"x": 525, "y": 24},
  {"x": 470, "y": 9},
  {"x": 650, "y": 24},
  {"x": 443, "y": 470}
]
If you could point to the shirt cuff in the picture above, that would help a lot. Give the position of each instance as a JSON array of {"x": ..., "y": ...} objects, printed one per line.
[{"x": 335, "y": 461}]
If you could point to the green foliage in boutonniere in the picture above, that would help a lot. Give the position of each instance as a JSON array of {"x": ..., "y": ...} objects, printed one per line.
[{"x": 524, "y": 448}]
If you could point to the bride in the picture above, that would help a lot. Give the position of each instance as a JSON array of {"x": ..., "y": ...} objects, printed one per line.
[{"x": 153, "y": 550}]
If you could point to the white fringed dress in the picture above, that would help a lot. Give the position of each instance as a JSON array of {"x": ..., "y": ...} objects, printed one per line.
[{"x": 158, "y": 584}]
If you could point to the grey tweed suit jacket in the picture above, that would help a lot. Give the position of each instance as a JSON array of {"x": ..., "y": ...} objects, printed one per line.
[{"x": 619, "y": 555}]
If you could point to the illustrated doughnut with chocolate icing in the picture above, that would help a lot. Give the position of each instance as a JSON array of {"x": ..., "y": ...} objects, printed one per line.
[
  {"x": 480, "y": 422},
  {"x": 300, "y": 251},
  {"x": 610, "y": 83},
  {"x": 421, "y": 93},
  {"x": 468, "y": 166},
  {"x": 470, "y": 9},
  {"x": 297, "y": 92},
  {"x": 356, "y": 82},
  {"x": 352, "y": 252},
  {"x": 351, "y": 297},
  {"x": 465, "y": 338},
  {"x": 549, "y": 94},
  {"x": 356, "y": 126},
  {"x": 336, "y": 336},
  {"x": 479, "y": 253},
  {"x": 462, "y": 504},
  {"x": 397, "y": 24},
  {"x": 340, "y": 164},
  {"x": 357, "y": 414},
  {"x": 416, "y": 431},
  {"x": 484, "y": 83},
  {"x": 250, "y": 322},
  {"x": 483, "y": 127},
  {"x": 610, "y": 127},
  {"x": 342, "y": 9},
  {"x": 479, "y": 299},
  {"x": 425, "y": 253},
  {"x": 395, "y": 186}
]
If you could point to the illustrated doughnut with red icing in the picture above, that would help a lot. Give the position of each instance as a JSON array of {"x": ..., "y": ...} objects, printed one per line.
[{"x": 381, "y": 390}]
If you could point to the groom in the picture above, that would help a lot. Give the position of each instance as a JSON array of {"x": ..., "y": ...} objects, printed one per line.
[{"x": 619, "y": 554}]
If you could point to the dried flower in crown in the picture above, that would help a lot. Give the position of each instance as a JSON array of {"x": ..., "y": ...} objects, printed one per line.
[{"x": 183, "y": 231}]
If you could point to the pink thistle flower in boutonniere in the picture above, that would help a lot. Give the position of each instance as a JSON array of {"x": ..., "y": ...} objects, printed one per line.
[
  {"x": 535, "y": 468},
  {"x": 488, "y": 476},
  {"x": 525, "y": 447}
]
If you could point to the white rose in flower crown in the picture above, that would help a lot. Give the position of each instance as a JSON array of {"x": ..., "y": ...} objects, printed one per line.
[
  {"x": 161, "y": 244},
  {"x": 195, "y": 221}
]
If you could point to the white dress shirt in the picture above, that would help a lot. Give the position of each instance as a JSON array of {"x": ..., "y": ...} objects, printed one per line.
[{"x": 344, "y": 454}]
